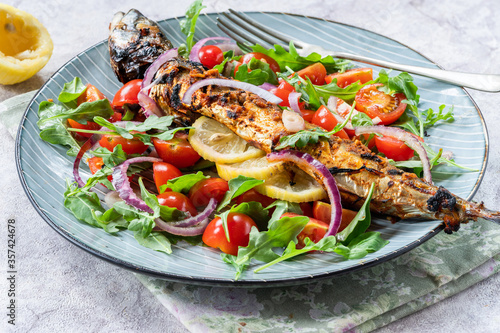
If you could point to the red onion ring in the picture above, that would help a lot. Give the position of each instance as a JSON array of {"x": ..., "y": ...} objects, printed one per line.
[
  {"x": 192, "y": 226},
  {"x": 332, "y": 105},
  {"x": 293, "y": 100},
  {"x": 267, "y": 86},
  {"x": 91, "y": 143},
  {"x": 186, "y": 99},
  {"x": 148, "y": 105},
  {"x": 195, "y": 50},
  {"x": 122, "y": 184},
  {"x": 307, "y": 162},
  {"x": 153, "y": 68},
  {"x": 409, "y": 139}
]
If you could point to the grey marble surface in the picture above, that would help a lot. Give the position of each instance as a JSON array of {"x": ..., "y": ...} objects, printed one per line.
[{"x": 64, "y": 289}]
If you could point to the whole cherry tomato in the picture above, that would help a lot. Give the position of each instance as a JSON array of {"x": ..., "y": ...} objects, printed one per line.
[
  {"x": 201, "y": 193},
  {"x": 177, "y": 151},
  {"x": 127, "y": 94},
  {"x": 163, "y": 172},
  {"x": 177, "y": 200},
  {"x": 238, "y": 225},
  {"x": 129, "y": 146},
  {"x": 210, "y": 56}
]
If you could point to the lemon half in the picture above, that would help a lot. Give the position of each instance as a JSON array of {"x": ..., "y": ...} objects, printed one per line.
[{"x": 25, "y": 45}]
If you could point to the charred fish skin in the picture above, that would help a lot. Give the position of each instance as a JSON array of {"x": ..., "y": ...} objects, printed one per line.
[
  {"x": 134, "y": 42},
  {"x": 354, "y": 166}
]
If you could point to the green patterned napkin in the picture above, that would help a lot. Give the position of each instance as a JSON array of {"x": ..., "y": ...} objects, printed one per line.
[{"x": 356, "y": 302}]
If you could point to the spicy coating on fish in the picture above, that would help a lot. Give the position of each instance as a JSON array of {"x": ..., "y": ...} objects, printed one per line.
[
  {"x": 134, "y": 42},
  {"x": 353, "y": 165}
]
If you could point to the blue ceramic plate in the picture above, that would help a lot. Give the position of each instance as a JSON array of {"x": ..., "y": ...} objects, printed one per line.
[{"x": 43, "y": 168}]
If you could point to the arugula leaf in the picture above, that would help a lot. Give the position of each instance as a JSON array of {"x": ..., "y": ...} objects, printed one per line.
[
  {"x": 230, "y": 259},
  {"x": 359, "y": 247},
  {"x": 71, "y": 91},
  {"x": 238, "y": 186},
  {"x": 55, "y": 132},
  {"x": 82, "y": 204},
  {"x": 111, "y": 158},
  {"x": 282, "y": 207},
  {"x": 202, "y": 164},
  {"x": 259, "y": 73},
  {"x": 154, "y": 240},
  {"x": 188, "y": 26},
  {"x": 361, "y": 119},
  {"x": 326, "y": 244},
  {"x": 228, "y": 56},
  {"x": 296, "y": 62},
  {"x": 101, "y": 176},
  {"x": 432, "y": 117},
  {"x": 260, "y": 244},
  {"x": 183, "y": 183},
  {"x": 111, "y": 221},
  {"x": 85, "y": 111},
  {"x": 360, "y": 223},
  {"x": 315, "y": 95}
]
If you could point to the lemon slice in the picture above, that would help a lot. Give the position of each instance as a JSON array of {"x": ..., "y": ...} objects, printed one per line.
[
  {"x": 25, "y": 45},
  {"x": 296, "y": 186},
  {"x": 258, "y": 168},
  {"x": 217, "y": 143}
]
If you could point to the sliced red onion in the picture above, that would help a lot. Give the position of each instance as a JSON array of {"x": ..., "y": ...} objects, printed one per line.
[
  {"x": 230, "y": 47},
  {"x": 153, "y": 68},
  {"x": 332, "y": 104},
  {"x": 111, "y": 198},
  {"x": 307, "y": 162},
  {"x": 293, "y": 100},
  {"x": 195, "y": 50},
  {"x": 91, "y": 143},
  {"x": 293, "y": 121},
  {"x": 192, "y": 226},
  {"x": 409, "y": 139},
  {"x": 447, "y": 154},
  {"x": 148, "y": 105},
  {"x": 267, "y": 86},
  {"x": 186, "y": 99},
  {"x": 376, "y": 120},
  {"x": 122, "y": 184}
]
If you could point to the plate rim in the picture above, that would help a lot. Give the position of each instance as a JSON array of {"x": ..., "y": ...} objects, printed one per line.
[{"x": 231, "y": 282}]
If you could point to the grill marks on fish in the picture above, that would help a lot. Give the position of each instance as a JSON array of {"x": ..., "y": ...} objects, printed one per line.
[
  {"x": 135, "y": 42},
  {"x": 353, "y": 165}
]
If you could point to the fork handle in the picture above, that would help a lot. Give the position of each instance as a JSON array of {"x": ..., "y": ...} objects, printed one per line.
[{"x": 483, "y": 82}]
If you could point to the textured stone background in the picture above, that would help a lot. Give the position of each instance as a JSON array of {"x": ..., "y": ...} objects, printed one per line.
[{"x": 64, "y": 289}]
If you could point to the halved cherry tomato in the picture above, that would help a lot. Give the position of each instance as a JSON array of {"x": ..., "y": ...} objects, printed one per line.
[
  {"x": 163, "y": 172},
  {"x": 393, "y": 148},
  {"x": 307, "y": 114},
  {"x": 323, "y": 212},
  {"x": 89, "y": 126},
  {"x": 315, "y": 230},
  {"x": 306, "y": 209},
  {"x": 285, "y": 85},
  {"x": 91, "y": 94},
  {"x": 325, "y": 119},
  {"x": 253, "y": 195},
  {"x": 177, "y": 200},
  {"x": 201, "y": 193},
  {"x": 283, "y": 94},
  {"x": 238, "y": 225},
  {"x": 210, "y": 56},
  {"x": 96, "y": 163},
  {"x": 315, "y": 72},
  {"x": 177, "y": 151},
  {"x": 117, "y": 116},
  {"x": 350, "y": 76},
  {"x": 129, "y": 146},
  {"x": 376, "y": 103},
  {"x": 273, "y": 65},
  {"x": 370, "y": 144},
  {"x": 127, "y": 94}
]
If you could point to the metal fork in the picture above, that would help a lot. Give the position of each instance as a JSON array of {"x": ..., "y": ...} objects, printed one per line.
[{"x": 243, "y": 29}]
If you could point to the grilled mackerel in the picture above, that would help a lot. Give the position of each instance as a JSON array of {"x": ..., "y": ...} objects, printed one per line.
[
  {"x": 354, "y": 166},
  {"x": 134, "y": 43}
]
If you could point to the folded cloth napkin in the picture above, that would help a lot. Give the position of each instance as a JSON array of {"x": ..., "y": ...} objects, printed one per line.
[{"x": 357, "y": 302}]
